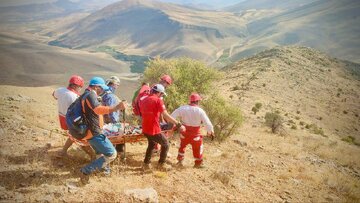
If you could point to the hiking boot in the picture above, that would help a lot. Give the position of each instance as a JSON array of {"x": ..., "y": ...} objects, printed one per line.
[
  {"x": 180, "y": 164},
  {"x": 61, "y": 154},
  {"x": 107, "y": 170},
  {"x": 200, "y": 166},
  {"x": 84, "y": 179},
  {"x": 164, "y": 167},
  {"x": 146, "y": 167}
]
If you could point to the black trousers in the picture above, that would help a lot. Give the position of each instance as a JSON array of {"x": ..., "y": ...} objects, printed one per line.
[
  {"x": 119, "y": 148},
  {"x": 152, "y": 140}
]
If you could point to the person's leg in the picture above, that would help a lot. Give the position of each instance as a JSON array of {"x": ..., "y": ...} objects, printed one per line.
[
  {"x": 162, "y": 140},
  {"x": 156, "y": 148},
  {"x": 89, "y": 151},
  {"x": 183, "y": 143},
  {"x": 119, "y": 148},
  {"x": 101, "y": 145},
  {"x": 197, "y": 146},
  {"x": 65, "y": 148},
  {"x": 151, "y": 145}
]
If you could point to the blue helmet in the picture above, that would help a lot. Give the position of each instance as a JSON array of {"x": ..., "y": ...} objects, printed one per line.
[{"x": 98, "y": 81}]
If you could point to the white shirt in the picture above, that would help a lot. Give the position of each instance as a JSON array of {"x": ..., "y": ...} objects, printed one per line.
[
  {"x": 65, "y": 98},
  {"x": 193, "y": 116}
]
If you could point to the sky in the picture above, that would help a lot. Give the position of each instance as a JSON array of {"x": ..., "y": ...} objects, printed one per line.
[{"x": 210, "y": 2}]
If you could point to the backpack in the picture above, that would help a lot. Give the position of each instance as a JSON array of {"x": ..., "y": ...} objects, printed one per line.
[
  {"x": 75, "y": 118},
  {"x": 135, "y": 102}
]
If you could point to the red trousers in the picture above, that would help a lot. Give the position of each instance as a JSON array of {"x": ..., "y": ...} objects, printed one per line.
[
  {"x": 62, "y": 120},
  {"x": 191, "y": 136}
]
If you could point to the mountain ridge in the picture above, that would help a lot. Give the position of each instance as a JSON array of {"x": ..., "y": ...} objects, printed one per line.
[
  {"x": 153, "y": 28},
  {"x": 287, "y": 78}
]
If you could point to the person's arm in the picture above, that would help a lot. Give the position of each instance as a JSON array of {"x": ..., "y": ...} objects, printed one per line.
[
  {"x": 113, "y": 100},
  {"x": 99, "y": 109},
  {"x": 53, "y": 94},
  {"x": 208, "y": 125},
  {"x": 170, "y": 119}
]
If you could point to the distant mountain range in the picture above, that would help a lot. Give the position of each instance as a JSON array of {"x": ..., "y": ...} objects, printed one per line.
[
  {"x": 154, "y": 28},
  {"x": 151, "y": 28},
  {"x": 41, "y": 11},
  {"x": 266, "y": 4},
  {"x": 328, "y": 25}
]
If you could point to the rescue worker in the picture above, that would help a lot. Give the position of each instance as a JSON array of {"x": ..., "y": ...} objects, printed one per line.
[
  {"x": 109, "y": 99},
  {"x": 151, "y": 108},
  {"x": 94, "y": 112},
  {"x": 192, "y": 116},
  {"x": 165, "y": 81},
  {"x": 65, "y": 97}
]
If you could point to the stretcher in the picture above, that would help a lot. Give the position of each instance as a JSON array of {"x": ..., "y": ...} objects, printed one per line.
[{"x": 123, "y": 136}]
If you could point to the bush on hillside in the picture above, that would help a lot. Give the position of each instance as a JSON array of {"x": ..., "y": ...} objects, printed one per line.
[
  {"x": 256, "y": 108},
  {"x": 194, "y": 76},
  {"x": 274, "y": 121},
  {"x": 225, "y": 117},
  {"x": 188, "y": 75}
]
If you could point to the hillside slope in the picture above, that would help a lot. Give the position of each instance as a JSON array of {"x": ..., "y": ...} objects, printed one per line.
[
  {"x": 152, "y": 28},
  {"x": 253, "y": 165},
  {"x": 329, "y": 26},
  {"x": 303, "y": 84},
  {"x": 266, "y": 4},
  {"x": 24, "y": 62},
  {"x": 37, "y": 11}
]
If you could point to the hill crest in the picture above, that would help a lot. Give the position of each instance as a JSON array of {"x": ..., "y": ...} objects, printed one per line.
[{"x": 299, "y": 79}]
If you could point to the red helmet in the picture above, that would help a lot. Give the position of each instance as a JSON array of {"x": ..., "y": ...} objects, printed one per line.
[
  {"x": 76, "y": 80},
  {"x": 167, "y": 79},
  {"x": 144, "y": 88},
  {"x": 195, "y": 97}
]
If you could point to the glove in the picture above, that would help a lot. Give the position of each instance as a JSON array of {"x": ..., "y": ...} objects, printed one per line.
[
  {"x": 179, "y": 127},
  {"x": 212, "y": 135}
]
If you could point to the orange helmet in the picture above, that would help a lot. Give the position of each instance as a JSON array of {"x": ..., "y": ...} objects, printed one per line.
[
  {"x": 167, "y": 79},
  {"x": 76, "y": 80},
  {"x": 195, "y": 97}
]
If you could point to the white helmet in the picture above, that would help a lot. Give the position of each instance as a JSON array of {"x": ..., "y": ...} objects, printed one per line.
[
  {"x": 114, "y": 80},
  {"x": 159, "y": 88}
]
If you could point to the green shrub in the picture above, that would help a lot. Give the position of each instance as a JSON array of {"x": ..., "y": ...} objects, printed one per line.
[
  {"x": 315, "y": 129},
  {"x": 225, "y": 117},
  {"x": 256, "y": 108},
  {"x": 350, "y": 140},
  {"x": 293, "y": 127},
  {"x": 258, "y": 105},
  {"x": 189, "y": 76},
  {"x": 236, "y": 87},
  {"x": 274, "y": 121}
]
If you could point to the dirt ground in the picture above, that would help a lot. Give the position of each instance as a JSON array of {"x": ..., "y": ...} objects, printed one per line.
[{"x": 253, "y": 165}]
